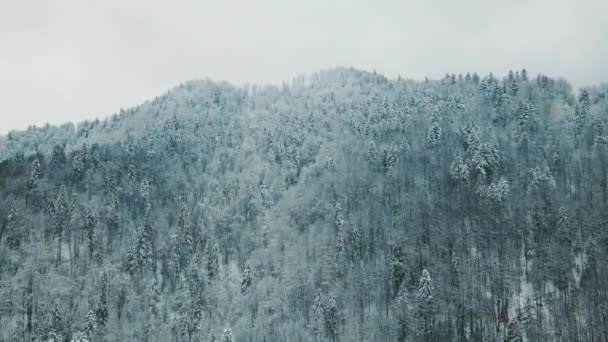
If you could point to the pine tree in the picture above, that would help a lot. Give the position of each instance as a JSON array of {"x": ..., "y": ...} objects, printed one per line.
[
  {"x": 424, "y": 301},
  {"x": 583, "y": 100},
  {"x": 579, "y": 125},
  {"x": 471, "y": 136},
  {"x": 318, "y": 312},
  {"x": 145, "y": 248},
  {"x": 89, "y": 222},
  {"x": 527, "y": 314},
  {"x": 53, "y": 336},
  {"x": 212, "y": 259},
  {"x": 102, "y": 306},
  {"x": 459, "y": 170},
  {"x": 513, "y": 332},
  {"x": 331, "y": 312},
  {"x": 90, "y": 324},
  {"x": 78, "y": 166},
  {"x": 95, "y": 158},
  {"x": 131, "y": 163},
  {"x": 340, "y": 259},
  {"x": 58, "y": 324},
  {"x": 131, "y": 260},
  {"x": 523, "y": 116},
  {"x": 227, "y": 335},
  {"x": 355, "y": 241},
  {"x": 186, "y": 234},
  {"x": 247, "y": 279},
  {"x": 58, "y": 156},
  {"x": 564, "y": 231},
  {"x": 402, "y": 312},
  {"x": 36, "y": 172},
  {"x": 153, "y": 298},
  {"x": 330, "y": 162},
  {"x": 435, "y": 133},
  {"x": 372, "y": 153},
  {"x": 79, "y": 337}
]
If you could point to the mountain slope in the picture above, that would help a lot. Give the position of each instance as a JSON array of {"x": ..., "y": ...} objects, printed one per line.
[{"x": 345, "y": 206}]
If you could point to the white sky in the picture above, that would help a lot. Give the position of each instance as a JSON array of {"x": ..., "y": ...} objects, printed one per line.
[{"x": 70, "y": 60}]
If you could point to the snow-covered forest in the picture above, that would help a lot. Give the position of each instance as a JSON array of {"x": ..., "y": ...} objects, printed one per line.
[{"x": 344, "y": 206}]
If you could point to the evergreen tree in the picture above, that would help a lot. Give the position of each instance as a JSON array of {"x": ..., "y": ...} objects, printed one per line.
[
  {"x": 247, "y": 279},
  {"x": 102, "y": 307},
  {"x": 79, "y": 337},
  {"x": 36, "y": 172},
  {"x": 212, "y": 259},
  {"x": 90, "y": 324},
  {"x": 78, "y": 166},
  {"x": 513, "y": 333},
  {"x": 318, "y": 312},
  {"x": 527, "y": 314},
  {"x": 331, "y": 313},
  {"x": 425, "y": 304},
  {"x": 89, "y": 222},
  {"x": 459, "y": 170},
  {"x": 227, "y": 335},
  {"x": 402, "y": 312},
  {"x": 435, "y": 133}
]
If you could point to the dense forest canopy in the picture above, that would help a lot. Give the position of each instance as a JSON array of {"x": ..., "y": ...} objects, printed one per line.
[{"x": 344, "y": 206}]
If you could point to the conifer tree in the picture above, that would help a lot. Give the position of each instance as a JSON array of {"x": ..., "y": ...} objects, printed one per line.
[
  {"x": 212, "y": 259},
  {"x": 102, "y": 306},
  {"x": 36, "y": 172},
  {"x": 227, "y": 335},
  {"x": 247, "y": 279},
  {"x": 425, "y": 305},
  {"x": 331, "y": 312}
]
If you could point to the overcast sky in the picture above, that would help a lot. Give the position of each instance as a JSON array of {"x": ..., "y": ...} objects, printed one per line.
[{"x": 70, "y": 60}]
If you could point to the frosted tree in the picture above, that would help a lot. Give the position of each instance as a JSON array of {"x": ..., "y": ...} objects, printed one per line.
[
  {"x": 35, "y": 172},
  {"x": 459, "y": 170},
  {"x": 425, "y": 305},
  {"x": 52, "y": 336},
  {"x": 79, "y": 337},
  {"x": 471, "y": 136},
  {"x": 153, "y": 298},
  {"x": 372, "y": 153},
  {"x": 564, "y": 230},
  {"x": 89, "y": 222},
  {"x": 435, "y": 132},
  {"x": 402, "y": 312},
  {"x": 584, "y": 101},
  {"x": 58, "y": 158},
  {"x": 131, "y": 163},
  {"x": 318, "y": 312},
  {"x": 523, "y": 116},
  {"x": 78, "y": 166},
  {"x": 187, "y": 243},
  {"x": 332, "y": 319},
  {"x": 527, "y": 314},
  {"x": 355, "y": 242},
  {"x": 340, "y": 248},
  {"x": 489, "y": 152},
  {"x": 212, "y": 259},
  {"x": 102, "y": 306},
  {"x": 227, "y": 335},
  {"x": 541, "y": 179},
  {"x": 513, "y": 332},
  {"x": 90, "y": 323},
  {"x": 330, "y": 162},
  {"x": 246, "y": 280},
  {"x": 95, "y": 158},
  {"x": 145, "y": 247}
]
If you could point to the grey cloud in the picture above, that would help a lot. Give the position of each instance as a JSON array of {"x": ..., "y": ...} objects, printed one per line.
[{"x": 72, "y": 60}]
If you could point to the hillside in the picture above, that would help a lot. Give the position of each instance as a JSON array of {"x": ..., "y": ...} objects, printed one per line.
[{"x": 344, "y": 206}]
